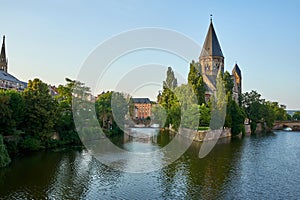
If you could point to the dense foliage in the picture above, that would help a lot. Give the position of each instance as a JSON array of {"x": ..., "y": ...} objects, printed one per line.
[
  {"x": 31, "y": 119},
  {"x": 34, "y": 119},
  {"x": 112, "y": 110},
  {"x": 259, "y": 110},
  {"x": 249, "y": 106},
  {"x": 4, "y": 157}
]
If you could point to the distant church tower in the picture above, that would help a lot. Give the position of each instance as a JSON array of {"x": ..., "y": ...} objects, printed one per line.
[
  {"x": 237, "y": 80},
  {"x": 3, "y": 59}
]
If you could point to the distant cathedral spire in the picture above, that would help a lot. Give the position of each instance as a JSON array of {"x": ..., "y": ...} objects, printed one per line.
[{"x": 3, "y": 59}]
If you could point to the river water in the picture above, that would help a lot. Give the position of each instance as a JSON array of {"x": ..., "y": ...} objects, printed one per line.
[{"x": 265, "y": 167}]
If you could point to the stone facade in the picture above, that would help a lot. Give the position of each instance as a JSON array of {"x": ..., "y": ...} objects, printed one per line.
[{"x": 142, "y": 108}]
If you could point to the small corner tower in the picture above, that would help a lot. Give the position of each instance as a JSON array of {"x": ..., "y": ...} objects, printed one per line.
[
  {"x": 3, "y": 59},
  {"x": 211, "y": 57},
  {"x": 237, "y": 80}
]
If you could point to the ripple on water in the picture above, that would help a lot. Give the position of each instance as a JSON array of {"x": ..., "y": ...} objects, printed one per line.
[{"x": 252, "y": 168}]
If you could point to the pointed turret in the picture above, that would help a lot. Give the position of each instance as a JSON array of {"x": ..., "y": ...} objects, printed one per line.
[
  {"x": 237, "y": 80},
  {"x": 211, "y": 59},
  {"x": 211, "y": 46},
  {"x": 237, "y": 71},
  {"x": 3, "y": 60}
]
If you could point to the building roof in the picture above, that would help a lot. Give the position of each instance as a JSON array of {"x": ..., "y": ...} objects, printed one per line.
[
  {"x": 8, "y": 77},
  {"x": 141, "y": 100},
  {"x": 237, "y": 70},
  {"x": 210, "y": 82},
  {"x": 211, "y": 46}
]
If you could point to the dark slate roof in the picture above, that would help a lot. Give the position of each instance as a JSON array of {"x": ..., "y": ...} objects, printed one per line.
[
  {"x": 237, "y": 70},
  {"x": 141, "y": 100},
  {"x": 211, "y": 46},
  {"x": 213, "y": 80},
  {"x": 8, "y": 77}
]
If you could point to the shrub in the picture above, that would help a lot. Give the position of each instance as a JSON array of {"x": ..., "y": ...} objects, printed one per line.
[
  {"x": 31, "y": 144},
  {"x": 4, "y": 157}
]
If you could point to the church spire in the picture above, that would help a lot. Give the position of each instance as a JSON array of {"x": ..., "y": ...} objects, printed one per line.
[
  {"x": 211, "y": 46},
  {"x": 3, "y": 60},
  {"x": 211, "y": 58}
]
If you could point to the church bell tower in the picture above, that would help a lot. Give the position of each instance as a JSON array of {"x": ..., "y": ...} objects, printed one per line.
[
  {"x": 3, "y": 59},
  {"x": 211, "y": 57}
]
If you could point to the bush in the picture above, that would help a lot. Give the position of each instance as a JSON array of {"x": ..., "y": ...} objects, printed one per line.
[
  {"x": 31, "y": 144},
  {"x": 4, "y": 157}
]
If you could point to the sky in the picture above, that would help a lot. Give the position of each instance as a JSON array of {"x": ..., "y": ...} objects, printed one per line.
[{"x": 52, "y": 39}]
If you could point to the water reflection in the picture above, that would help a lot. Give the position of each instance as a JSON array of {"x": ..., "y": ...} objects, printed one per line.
[
  {"x": 140, "y": 153},
  {"x": 255, "y": 168}
]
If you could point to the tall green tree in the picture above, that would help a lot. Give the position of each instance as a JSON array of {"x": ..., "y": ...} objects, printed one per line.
[
  {"x": 228, "y": 83},
  {"x": 171, "y": 80},
  {"x": 40, "y": 111},
  {"x": 218, "y": 105},
  {"x": 17, "y": 105},
  {"x": 4, "y": 157},
  {"x": 237, "y": 118},
  {"x": 259, "y": 111},
  {"x": 64, "y": 124},
  {"x": 103, "y": 109},
  {"x": 169, "y": 100},
  {"x": 195, "y": 79},
  {"x": 6, "y": 124}
]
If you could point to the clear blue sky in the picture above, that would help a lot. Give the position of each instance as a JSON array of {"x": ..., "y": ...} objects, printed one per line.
[{"x": 51, "y": 39}]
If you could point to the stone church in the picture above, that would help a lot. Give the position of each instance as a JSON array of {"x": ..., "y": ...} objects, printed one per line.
[
  {"x": 8, "y": 81},
  {"x": 212, "y": 62}
]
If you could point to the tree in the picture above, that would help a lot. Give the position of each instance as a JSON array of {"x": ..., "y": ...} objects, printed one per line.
[
  {"x": 64, "y": 124},
  {"x": 252, "y": 105},
  {"x": 195, "y": 79},
  {"x": 158, "y": 115},
  {"x": 296, "y": 115},
  {"x": 4, "y": 157},
  {"x": 111, "y": 109},
  {"x": 218, "y": 105},
  {"x": 260, "y": 111},
  {"x": 237, "y": 119},
  {"x": 5, "y": 115},
  {"x": 103, "y": 109},
  {"x": 169, "y": 100},
  {"x": 40, "y": 111},
  {"x": 204, "y": 117},
  {"x": 17, "y": 106},
  {"x": 171, "y": 81},
  {"x": 228, "y": 83}
]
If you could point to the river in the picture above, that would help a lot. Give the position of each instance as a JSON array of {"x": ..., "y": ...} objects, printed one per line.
[{"x": 265, "y": 167}]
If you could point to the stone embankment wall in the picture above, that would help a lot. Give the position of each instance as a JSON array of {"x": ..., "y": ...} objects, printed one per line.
[{"x": 211, "y": 135}]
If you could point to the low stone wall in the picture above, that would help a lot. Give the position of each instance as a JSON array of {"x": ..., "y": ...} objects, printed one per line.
[{"x": 211, "y": 135}]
